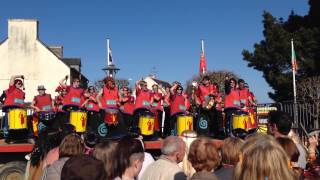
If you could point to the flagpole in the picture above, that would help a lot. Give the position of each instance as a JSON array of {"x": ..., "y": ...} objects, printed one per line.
[
  {"x": 108, "y": 49},
  {"x": 293, "y": 63}
]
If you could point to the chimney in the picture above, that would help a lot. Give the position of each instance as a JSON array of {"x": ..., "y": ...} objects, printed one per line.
[
  {"x": 57, "y": 50},
  {"x": 22, "y": 29}
]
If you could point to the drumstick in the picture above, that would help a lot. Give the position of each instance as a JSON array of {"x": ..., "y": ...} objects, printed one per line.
[{"x": 22, "y": 77}]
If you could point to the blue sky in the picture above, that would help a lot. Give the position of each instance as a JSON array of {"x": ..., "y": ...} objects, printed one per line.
[{"x": 164, "y": 34}]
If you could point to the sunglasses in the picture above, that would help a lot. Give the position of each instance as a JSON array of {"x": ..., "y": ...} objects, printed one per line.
[
  {"x": 179, "y": 89},
  {"x": 19, "y": 84}
]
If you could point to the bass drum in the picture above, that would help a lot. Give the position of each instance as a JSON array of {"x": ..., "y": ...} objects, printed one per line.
[
  {"x": 111, "y": 116},
  {"x": 79, "y": 120},
  {"x": 203, "y": 125},
  {"x": 146, "y": 124},
  {"x": 184, "y": 122}
]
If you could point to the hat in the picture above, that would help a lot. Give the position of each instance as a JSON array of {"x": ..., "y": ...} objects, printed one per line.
[
  {"x": 41, "y": 87},
  {"x": 83, "y": 167}
]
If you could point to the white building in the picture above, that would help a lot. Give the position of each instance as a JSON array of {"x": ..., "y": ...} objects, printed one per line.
[{"x": 22, "y": 53}]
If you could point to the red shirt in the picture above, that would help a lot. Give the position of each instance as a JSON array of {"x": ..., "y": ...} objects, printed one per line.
[
  {"x": 204, "y": 91},
  {"x": 143, "y": 99},
  {"x": 14, "y": 97},
  {"x": 157, "y": 104},
  {"x": 128, "y": 106},
  {"x": 43, "y": 102}
]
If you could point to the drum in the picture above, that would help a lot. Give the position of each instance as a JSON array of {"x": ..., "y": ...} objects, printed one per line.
[
  {"x": 240, "y": 122},
  {"x": 46, "y": 117},
  {"x": 17, "y": 119},
  {"x": 184, "y": 122},
  {"x": 146, "y": 125},
  {"x": 251, "y": 123},
  {"x": 111, "y": 116},
  {"x": 79, "y": 120}
]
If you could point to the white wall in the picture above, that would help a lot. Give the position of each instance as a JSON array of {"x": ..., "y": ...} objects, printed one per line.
[{"x": 23, "y": 54}]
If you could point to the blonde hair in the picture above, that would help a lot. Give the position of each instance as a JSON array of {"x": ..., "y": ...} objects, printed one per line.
[
  {"x": 230, "y": 150},
  {"x": 263, "y": 158}
]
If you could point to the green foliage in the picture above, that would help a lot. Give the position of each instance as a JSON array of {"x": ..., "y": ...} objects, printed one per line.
[{"x": 272, "y": 55}]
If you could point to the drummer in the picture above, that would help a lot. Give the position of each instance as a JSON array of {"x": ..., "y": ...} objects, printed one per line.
[
  {"x": 61, "y": 116},
  {"x": 231, "y": 102},
  {"x": 156, "y": 106},
  {"x": 95, "y": 119},
  {"x": 14, "y": 98},
  {"x": 42, "y": 103},
  {"x": 244, "y": 94},
  {"x": 108, "y": 96},
  {"x": 143, "y": 101},
  {"x": 127, "y": 106},
  {"x": 206, "y": 93},
  {"x": 178, "y": 106},
  {"x": 75, "y": 94}
]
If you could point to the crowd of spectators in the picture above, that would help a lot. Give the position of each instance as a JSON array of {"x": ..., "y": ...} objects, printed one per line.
[{"x": 278, "y": 155}]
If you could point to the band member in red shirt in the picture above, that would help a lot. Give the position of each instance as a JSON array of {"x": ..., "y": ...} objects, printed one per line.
[
  {"x": 74, "y": 97},
  {"x": 156, "y": 106},
  {"x": 108, "y": 97},
  {"x": 206, "y": 93},
  {"x": 143, "y": 102},
  {"x": 95, "y": 120},
  {"x": 179, "y": 104},
  {"x": 61, "y": 115},
  {"x": 231, "y": 102},
  {"x": 13, "y": 98},
  {"x": 44, "y": 107},
  {"x": 127, "y": 106}
]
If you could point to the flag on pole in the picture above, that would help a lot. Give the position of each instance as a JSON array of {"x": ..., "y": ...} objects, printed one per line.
[
  {"x": 109, "y": 56},
  {"x": 203, "y": 64},
  {"x": 293, "y": 58}
]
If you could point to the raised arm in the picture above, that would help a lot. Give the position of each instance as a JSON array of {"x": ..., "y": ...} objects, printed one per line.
[
  {"x": 11, "y": 83},
  {"x": 63, "y": 82}
]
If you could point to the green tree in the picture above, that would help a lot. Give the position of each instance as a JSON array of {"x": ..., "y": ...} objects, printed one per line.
[{"x": 272, "y": 55}]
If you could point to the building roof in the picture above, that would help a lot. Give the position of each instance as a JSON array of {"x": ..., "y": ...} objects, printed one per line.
[
  {"x": 163, "y": 83},
  {"x": 72, "y": 61}
]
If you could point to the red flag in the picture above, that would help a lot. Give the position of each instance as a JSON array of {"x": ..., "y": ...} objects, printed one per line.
[{"x": 203, "y": 64}]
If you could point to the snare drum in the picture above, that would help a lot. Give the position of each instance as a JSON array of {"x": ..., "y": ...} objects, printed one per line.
[
  {"x": 46, "y": 117},
  {"x": 146, "y": 125},
  {"x": 111, "y": 116},
  {"x": 240, "y": 122},
  {"x": 184, "y": 122},
  {"x": 79, "y": 120},
  {"x": 17, "y": 119}
]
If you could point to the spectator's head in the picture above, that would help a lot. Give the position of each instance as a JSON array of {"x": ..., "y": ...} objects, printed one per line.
[
  {"x": 279, "y": 123},
  {"x": 230, "y": 150},
  {"x": 290, "y": 148},
  {"x": 106, "y": 152},
  {"x": 130, "y": 155},
  {"x": 90, "y": 140},
  {"x": 262, "y": 158},
  {"x": 71, "y": 145},
  {"x": 174, "y": 148},
  {"x": 203, "y": 155},
  {"x": 83, "y": 167},
  {"x": 67, "y": 129}
]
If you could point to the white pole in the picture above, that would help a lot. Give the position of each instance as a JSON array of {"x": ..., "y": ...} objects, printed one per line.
[
  {"x": 293, "y": 64},
  {"x": 108, "y": 49},
  {"x": 202, "y": 54}
]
